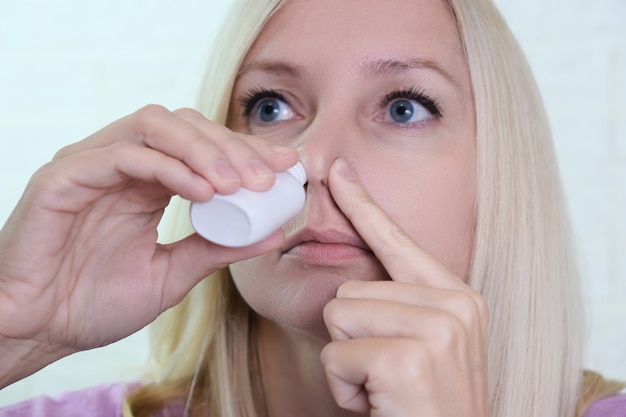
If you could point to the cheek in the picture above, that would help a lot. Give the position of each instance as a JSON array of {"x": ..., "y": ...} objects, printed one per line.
[
  {"x": 249, "y": 278},
  {"x": 284, "y": 294},
  {"x": 255, "y": 283},
  {"x": 241, "y": 272},
  {"x": 434, "y": 203}
]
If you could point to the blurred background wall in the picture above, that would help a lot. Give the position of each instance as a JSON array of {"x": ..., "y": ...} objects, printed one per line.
[{"x": 69, "y": 68}]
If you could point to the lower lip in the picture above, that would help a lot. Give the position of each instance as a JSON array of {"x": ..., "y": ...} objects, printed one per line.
[{"x": 316, "y": 253}]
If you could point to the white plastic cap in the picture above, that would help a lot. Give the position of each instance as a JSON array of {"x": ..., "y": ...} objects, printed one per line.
[
  {"x": 298, "y": 172},
  {"x": 247, "y": 217}
]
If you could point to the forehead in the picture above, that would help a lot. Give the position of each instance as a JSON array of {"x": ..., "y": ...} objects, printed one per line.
[{"x": 351, "y": 31}]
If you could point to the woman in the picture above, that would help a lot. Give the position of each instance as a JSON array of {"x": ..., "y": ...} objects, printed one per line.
[{"x": 429, "y": 273}]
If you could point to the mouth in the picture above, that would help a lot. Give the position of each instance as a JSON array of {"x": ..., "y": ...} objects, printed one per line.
[{"x": 326, "y": 247}]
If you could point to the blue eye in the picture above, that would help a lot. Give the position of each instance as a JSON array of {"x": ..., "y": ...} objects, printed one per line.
[
  {"x": 407, "y": 111},
  {"x": 263, "y": 106},
  {"x": 409, "y": 107},
  {"x": 273, "y": 110},
  {"x": 401, "y": 111}
]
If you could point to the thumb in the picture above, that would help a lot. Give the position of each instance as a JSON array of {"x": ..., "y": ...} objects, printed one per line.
[{"x": 188, "y": 261}]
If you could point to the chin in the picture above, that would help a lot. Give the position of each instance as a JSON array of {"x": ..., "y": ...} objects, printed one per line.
[
  {"x": 297, "y": 305},
  {"x": 294, "y": 294}
]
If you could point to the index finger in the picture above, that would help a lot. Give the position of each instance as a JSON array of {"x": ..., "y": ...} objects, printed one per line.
[{"x": 402, "y": 257}]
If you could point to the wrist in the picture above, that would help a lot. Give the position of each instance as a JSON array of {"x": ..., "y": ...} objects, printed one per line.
[{"x": 20, "y": 358}]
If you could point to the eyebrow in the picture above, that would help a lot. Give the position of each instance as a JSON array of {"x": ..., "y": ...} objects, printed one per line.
[
  {"x": 272, "y": 67},
  {"x": 371, "y": 68},
  {"x": 395, "y": 66}
]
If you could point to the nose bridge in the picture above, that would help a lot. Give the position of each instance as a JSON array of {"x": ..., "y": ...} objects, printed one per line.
[{"x": 325, "y": 140}]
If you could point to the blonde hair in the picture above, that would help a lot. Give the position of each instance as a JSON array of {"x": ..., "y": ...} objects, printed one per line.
[
  {"x": 523, "y": 262},
  {"x": 523, "y": 266},
  {"x": 201, "y": 350}
]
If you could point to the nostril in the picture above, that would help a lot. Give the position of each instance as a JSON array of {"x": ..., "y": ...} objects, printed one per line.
[{"x": 317, "y": 167}]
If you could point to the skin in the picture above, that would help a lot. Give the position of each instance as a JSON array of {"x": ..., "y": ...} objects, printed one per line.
[
  {"x": 377, "y": 287},
  {"x": 89, "y": 219},
  {"x": 362, "y": 300}
]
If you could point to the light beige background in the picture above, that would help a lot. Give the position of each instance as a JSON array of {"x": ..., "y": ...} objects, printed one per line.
[{"x": 68, "y": 68}]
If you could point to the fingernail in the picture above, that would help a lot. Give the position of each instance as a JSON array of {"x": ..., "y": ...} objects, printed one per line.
[
  {"x": 344, "y": 169},
  {"x": 225, "y": 170},
  {"x": 260, "y": 169}
]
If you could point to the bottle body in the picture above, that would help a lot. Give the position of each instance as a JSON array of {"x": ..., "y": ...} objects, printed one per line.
[{"x": 247, "y": 217}]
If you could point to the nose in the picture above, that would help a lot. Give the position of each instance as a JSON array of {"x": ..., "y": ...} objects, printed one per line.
[
  {"x": 326, "y": 140},
  {"x": 334, "y": 132}
]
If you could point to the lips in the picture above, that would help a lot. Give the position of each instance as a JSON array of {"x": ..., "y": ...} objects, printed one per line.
[{"x": 325, "y": 247}]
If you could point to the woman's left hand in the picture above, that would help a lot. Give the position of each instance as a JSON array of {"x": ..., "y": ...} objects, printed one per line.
[{"x": 415, "y": 345}]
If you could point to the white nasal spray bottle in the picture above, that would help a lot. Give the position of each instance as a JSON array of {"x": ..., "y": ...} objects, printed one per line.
[{"x": 247, "y": 217}]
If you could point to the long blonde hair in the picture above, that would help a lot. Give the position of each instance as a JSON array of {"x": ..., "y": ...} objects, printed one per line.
[
  {"x": 204, "y": 349},
  {"x": 523, "y": 262}
]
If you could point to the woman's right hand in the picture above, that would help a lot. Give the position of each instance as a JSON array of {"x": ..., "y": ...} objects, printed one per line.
[{"x": 80, "y": 266}]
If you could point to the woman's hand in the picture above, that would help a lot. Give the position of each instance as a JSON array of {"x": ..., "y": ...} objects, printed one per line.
[
  {"x": 412, "y": 346},
  {"x": 80, "y": 266}
]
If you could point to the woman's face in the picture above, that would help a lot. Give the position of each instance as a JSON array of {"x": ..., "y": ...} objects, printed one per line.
[{"x": 385, "y": 86}]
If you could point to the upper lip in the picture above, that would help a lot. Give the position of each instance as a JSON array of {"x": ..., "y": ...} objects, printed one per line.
[{"x": 330, "y": 236}]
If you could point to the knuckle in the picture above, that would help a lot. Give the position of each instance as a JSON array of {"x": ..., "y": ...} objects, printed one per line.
[
  {"x": 231, "y": 144},
  {"x": 145, "y": 117},
  {"x": 50, "y": 181},
  {"x": 446, "y": 332},
  {"x": 399, "y": 236},
  {"x": 117, "y": 149},
  {"x": 464, "y": 305},
  {"x": 477, "y": 309},
  {"x": 397, "y": 243},
  {"x": 45, "y": 174},
  {"x": 254, "y": 142},
  {"x": 470, "y": 309},
  {"x": 187, "y": 112},
  {"x": 407, "y": 360},
  {"x": 152, "y": 110},
  {"x": 363, "y": 199},
  {"x": 63, "y": 152}
]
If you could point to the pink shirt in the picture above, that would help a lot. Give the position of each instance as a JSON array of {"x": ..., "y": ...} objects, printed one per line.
[
  {"x": 98, "y": 401},
  {"x": 107, "y": 400},
  {"x": 612, "y": 406}
]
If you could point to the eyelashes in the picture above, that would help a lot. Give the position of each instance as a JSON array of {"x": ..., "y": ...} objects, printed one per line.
[
  {"x": 412, "y": 93},
  {"x": 251, "y": 99}
]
